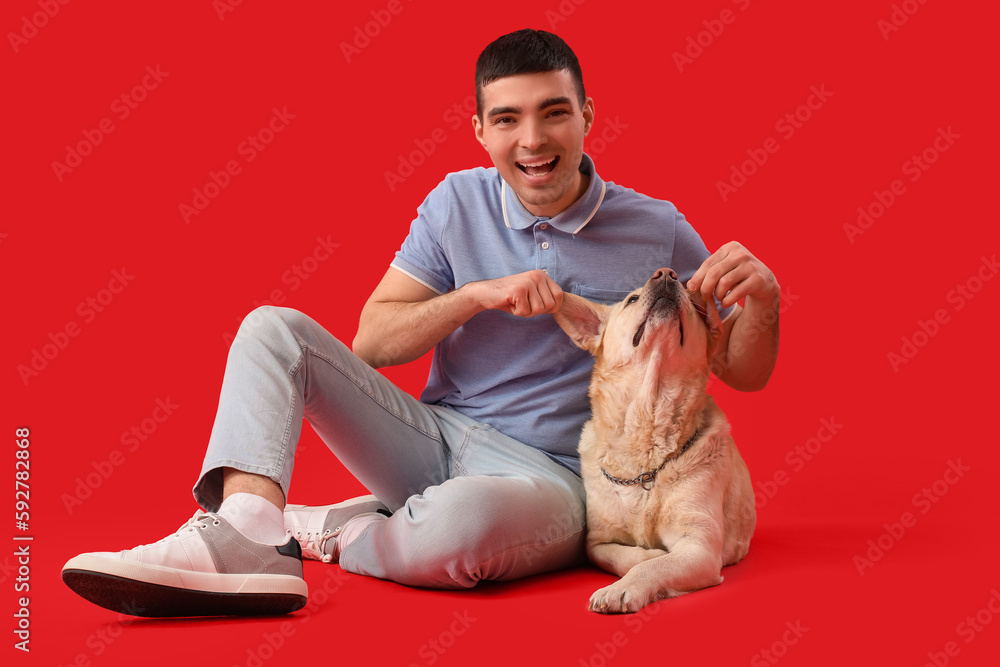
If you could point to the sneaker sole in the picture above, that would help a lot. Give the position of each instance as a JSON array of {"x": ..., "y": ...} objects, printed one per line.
[{"x": 157, "y": 592}]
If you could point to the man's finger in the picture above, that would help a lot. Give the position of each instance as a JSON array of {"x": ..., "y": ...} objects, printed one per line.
[
  {"x": 729, "y": 282},
  {"x": 721, "y": 272},
  {"x": 550, "y": 295},
  {"x": 697, "y": 280},
  {"x": 535, "y": 302},
  {"x": 557, "y": 300},
  {"x": 518, "y": 299}
]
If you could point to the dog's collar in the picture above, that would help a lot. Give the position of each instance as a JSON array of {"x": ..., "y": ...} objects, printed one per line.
[{"x": 646, "y": 479}]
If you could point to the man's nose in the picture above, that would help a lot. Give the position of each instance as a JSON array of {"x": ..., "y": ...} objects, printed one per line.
[{"x": 532, "y": 135}]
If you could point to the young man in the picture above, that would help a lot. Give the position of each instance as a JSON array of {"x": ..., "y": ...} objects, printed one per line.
[{"x": 479, "y": 479}]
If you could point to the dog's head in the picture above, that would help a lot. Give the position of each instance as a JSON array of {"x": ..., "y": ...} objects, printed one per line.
[{"x": 661, "y": 326}]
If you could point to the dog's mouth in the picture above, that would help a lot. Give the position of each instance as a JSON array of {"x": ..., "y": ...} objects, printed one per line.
[
  {"x": 668, "y": 309},
  {"x": 637, "y": 338},
  {"x": 538, "y": 168},
  {"x": 700, "y": 307}
]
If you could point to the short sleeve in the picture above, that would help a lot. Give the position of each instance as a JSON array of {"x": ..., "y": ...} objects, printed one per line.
[
  {"x": 422, "y": 255},
  {"x": 689, "y": 253}
]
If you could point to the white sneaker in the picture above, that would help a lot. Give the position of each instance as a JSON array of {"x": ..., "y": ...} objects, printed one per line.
[
  {"x": 316, "y": 526},
  {"x": 206, "y": 568}
]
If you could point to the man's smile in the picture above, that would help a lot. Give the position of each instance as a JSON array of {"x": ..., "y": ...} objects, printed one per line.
[{"x": 538, "y": 167}]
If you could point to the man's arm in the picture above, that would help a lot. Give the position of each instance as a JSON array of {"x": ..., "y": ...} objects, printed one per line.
[
  {"x": 748, "y": 347},
  {"x": 403, "y": 319}
]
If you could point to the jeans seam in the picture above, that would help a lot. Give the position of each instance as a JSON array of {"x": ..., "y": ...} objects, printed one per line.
[
  {"x": 543, "y": 545},
  {"x": 307, "y": 349},
  {"x": 286, "y": 436},
  {"x": 465, "y": 442}
]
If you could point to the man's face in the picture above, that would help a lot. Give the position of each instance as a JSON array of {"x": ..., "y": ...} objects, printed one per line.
[{"x": 533, "y": 129}]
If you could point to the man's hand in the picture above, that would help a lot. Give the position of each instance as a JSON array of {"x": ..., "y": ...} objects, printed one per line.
[
  {"x": 748, "y": 346},
  {"x": 523, "y": 294},
  {"x": 403, "y": 318},
  {"x": 731, "y": 274}
]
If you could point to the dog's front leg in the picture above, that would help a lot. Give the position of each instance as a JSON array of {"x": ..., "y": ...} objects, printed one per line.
[
  {"x": 620, "y": 558},
  {"x": 692, "y": 564}
]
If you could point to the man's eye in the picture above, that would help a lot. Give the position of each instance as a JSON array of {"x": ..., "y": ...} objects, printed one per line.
[
  {"x": 632, "y": 299},
  {"x": 503, "y": 121}
]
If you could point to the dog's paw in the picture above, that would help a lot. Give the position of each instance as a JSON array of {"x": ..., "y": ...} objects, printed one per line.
[{"x": 618, "y": 599}]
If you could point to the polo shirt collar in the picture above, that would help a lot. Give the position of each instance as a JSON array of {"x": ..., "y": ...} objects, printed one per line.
[{"x": 572, "y": 220}]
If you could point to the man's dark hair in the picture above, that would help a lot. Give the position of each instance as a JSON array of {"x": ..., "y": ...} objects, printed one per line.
[{"x": 526, "y": 52}]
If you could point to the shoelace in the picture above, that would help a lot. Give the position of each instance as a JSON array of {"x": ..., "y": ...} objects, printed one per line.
[
  {"x": 199, "y": 520},
  {"x": 313, "y": 543}
]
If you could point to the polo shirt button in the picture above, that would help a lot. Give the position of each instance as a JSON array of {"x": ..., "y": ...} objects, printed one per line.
[
  {"x": 545, "y": 245},
  {"x": 544, "y": 225}
]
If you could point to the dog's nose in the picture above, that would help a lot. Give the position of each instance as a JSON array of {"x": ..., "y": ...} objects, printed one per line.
[{"x": 660, "y": 273}]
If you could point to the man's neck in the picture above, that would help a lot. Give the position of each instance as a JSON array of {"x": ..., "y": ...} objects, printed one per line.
[{"x": 555, "y": 208}]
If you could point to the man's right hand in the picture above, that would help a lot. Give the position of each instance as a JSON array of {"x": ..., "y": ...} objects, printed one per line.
[
  {"x": 403, "y": 318},
  {"x": 523, "y": 294}
]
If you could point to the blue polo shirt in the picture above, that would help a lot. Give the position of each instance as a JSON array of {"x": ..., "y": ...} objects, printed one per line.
[{"x": 524, "y": 376}]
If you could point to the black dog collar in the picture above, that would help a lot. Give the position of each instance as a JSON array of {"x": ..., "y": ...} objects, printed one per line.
[{"x": 646, "y": 479}]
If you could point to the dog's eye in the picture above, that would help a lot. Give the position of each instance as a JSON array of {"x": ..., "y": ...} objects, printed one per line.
[{"x": 632, "y": 299}]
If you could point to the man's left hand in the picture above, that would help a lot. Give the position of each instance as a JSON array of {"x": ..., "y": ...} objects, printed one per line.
[{"x": 731, "y": 274}]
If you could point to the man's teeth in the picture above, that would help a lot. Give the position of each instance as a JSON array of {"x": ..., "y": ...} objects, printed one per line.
[{"x": 537, "y": 167}]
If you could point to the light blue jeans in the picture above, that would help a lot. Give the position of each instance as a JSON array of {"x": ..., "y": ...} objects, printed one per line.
[{"x": 469, "y": 503}]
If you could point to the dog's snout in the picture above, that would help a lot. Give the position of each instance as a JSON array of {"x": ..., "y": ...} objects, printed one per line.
[{"x": 665, "y": 273}]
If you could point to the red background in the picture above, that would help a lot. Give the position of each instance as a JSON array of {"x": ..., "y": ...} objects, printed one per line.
[{"x": 668, "y": 133}]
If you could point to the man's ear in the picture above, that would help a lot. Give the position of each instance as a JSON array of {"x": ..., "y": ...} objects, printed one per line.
[
  {"x": 582, "y": 320},
  {"x": 477, "y": 125},
  {"x": 588, "y": 115}
]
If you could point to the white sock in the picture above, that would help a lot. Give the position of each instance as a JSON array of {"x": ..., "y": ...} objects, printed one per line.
[
  {"x": 256, "y": 518},
  {"x": 353, "y": 528}
]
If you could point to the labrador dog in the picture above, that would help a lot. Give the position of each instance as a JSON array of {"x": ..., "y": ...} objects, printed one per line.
[{"x": 669, "y": 499}]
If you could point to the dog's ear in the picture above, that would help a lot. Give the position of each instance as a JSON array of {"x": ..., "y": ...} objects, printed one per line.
[
  {"x": 582, "y": 320},
  {"x": 709, "y": 314}
]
